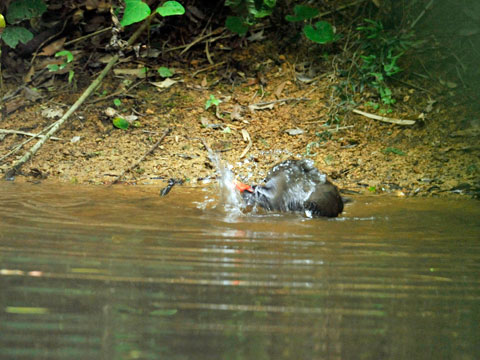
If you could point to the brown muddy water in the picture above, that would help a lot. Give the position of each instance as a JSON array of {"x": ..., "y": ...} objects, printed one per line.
[{"x": 121, "y": 273}]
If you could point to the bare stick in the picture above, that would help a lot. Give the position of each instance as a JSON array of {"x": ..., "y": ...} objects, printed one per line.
[
  {"x": 152, "y": 149},
  {"x": 22, "y": 144},
  {"x": 384, "y": 119},
  {"x": 7, "y": 131},
  {"x": 428, "y": 7},
  {"x": 10, "y": 173}
]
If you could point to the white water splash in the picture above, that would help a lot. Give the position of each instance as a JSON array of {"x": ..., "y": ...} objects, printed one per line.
[
  {"x": 223, "y": 196},
  {"x": 229, "y": 197}
]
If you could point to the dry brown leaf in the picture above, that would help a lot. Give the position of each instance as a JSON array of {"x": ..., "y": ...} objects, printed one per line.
[
  {"x": 279, "y": 89},
  {"x": 53, "y": 47},
  {"x": 163, "y": 84}
]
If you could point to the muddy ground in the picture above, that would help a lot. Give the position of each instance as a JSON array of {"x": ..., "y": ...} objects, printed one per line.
[{"x": 267, "y": 114}]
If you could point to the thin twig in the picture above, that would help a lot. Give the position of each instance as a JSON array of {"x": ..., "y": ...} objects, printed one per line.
[
  {"x": 208, "y": 68},
  {"x": 422, "y": 14},
  {"x": 7, "y": 131},
  {"x": 151, "y": 150},
  {"x": 384, "y": 119},
  {"x": 200, "y": 38},
  {"x": 98, "y": 32},
  {"x": 19, "y": 146},
  {"x": 269, "y": 104}
]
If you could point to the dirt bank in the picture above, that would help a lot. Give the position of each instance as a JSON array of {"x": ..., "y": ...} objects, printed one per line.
[{"x": 262, "y": 119}]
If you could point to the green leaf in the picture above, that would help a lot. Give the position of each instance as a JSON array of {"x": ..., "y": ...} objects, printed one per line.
[
  {"x": 270, "y": 3},
  {"x": 14, "y": 34},
  {"x": 302, "y": 12},
  {"x": 135, "y": 11},
  {"x": 212, "y": 101},
  {"x": 71, "y": 74},
  {"x": 66, "y": 53},
  {"x": 53, "y": 67},
  {"x": 117, "y": 102},
  {"x": 236, "y": 25},
  {"x": 25, "y": 9},
  {"x": 321, "y": 32},
  {"x": 120, "y": 123},
  {"x": 2, "y": 22},
  {"x": 170, "y": 8},
  {"x": 164, "y": 72}
]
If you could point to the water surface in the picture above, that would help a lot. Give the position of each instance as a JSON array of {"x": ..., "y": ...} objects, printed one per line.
[{"x": 121, "y": 273}]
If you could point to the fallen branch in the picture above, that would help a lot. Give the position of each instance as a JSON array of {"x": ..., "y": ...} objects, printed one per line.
[
  {"x": 151, "y": 150},
  {"x": 10, "y": 173},
  {"x": 18, "y": 132},
  {"x": 384, "y": 119}
]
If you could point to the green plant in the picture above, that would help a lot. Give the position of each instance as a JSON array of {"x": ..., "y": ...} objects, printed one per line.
[
  {"x": 137, "y": 10},
  {"x": 379, "y": 53},
  {"x": 165, "y": 72},
  {"x": 212, "y": 101},
  {"x": 321, "y": 32},
  {"x": 68, "y": 59},
  {"x": 18, "y": 11},
  {"x": 247, "y": 12}
]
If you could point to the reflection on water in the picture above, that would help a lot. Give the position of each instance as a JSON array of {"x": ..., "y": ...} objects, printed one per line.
[{"x": 121, "y": 273}]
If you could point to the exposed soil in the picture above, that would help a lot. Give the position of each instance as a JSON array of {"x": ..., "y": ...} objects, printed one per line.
[{"x": 438, "y": 155}]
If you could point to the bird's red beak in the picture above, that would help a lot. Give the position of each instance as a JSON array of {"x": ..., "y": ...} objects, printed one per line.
[{"x": 243, "y": 187}]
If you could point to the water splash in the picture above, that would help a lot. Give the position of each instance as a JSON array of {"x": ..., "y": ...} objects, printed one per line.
[{"x": 229, "y": 198}]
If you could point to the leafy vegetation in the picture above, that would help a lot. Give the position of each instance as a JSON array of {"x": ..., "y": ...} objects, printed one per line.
[
  {"x": 321, "y": 32},
  {"x": 380, "y": 52},
  {"x": 247, "y": 12},
  {"x": 165, "y": 72},
  {"x": 212, "y": 101},
  {"x": 137, "y": 10},
  {"x": 68, "y": 58},
  {"x": 18, "y": 11}
]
